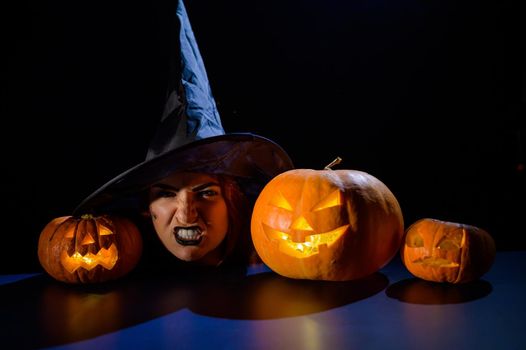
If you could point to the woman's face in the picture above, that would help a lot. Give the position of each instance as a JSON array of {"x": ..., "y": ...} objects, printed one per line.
[{"x": 189, "y": 214}]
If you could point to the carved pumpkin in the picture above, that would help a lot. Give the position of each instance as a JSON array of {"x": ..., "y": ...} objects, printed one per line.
[
  {"x": 442, "y": 251},
  {"x": 89, "y": 249},
  {"x": 326, "y": 224}
]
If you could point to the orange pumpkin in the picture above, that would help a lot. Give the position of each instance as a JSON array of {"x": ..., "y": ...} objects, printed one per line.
[
  {"x": 442, "y": 251},
  {"x": 89, "y": 249},
  {"x": 327, "y": 224}
]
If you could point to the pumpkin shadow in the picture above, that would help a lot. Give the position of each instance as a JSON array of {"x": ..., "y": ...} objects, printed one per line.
[
  {"x": 418, "y": 291},
  {"x": 41, "y": 312},
  {"x": 271, "y": 296}
]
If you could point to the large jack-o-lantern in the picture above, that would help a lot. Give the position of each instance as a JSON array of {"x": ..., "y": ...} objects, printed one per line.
[
  {"x": 442, "y": 251},
  {"x": 326, "y": 224},
  {"x": 89, "y": 249}
]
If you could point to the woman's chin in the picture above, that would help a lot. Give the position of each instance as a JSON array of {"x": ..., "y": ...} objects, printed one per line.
[{"x": 189, "y": 253}]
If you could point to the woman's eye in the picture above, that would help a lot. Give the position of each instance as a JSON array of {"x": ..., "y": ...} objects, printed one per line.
[
  {"x": 164, "y": 194},
  {"x": 207, "y": 193}
]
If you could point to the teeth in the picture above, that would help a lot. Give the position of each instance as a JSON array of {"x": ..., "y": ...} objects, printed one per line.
[{"x": 191, "y": 233}]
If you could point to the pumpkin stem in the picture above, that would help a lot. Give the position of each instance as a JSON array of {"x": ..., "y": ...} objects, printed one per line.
[
  {"x": 338, "y": 160},
  {"x": 86, "y": 216}
]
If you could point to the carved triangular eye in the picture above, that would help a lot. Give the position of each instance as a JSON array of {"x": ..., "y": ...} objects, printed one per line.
[
  {"x": 332, "y": 200},
  {"x": 104, "y": 231},
  {"x": 414, "y": 240},
  {"x": 448, "y": 244},
  {"x": 281, "y": 202},
  {"x": 452, "y": 242}
]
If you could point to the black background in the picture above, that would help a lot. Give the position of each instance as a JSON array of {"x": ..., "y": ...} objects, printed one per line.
[{"x": 428, "y": 96}]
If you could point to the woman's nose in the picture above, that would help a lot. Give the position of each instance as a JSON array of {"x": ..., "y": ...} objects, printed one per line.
[{"x": 186, "y": 211}]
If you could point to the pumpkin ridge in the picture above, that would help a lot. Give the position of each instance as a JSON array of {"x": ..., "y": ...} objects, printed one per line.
[{"x": 59, "y": 226}]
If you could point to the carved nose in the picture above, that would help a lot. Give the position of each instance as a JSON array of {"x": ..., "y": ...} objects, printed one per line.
[
  {"x": 301, "y": 224},
  {"x": 88, "y": 239},
  {"x": 299, "y": 229}
]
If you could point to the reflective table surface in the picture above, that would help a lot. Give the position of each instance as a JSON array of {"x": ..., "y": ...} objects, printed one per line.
[{"x": 258, "y": 309}]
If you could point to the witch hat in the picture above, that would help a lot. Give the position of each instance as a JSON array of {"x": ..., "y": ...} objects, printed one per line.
[{"x": 190, "y": 137}]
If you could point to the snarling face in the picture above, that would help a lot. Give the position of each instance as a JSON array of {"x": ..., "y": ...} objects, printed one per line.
[
  {"x": 438, "y": 252},
  {"x": 304, "y": 223},
  {"x": 90, "y": 246},
  {"x": 189, "y": 214}
]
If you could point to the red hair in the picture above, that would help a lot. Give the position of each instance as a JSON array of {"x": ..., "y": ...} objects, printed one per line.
[{"x": 239, "y": 248}]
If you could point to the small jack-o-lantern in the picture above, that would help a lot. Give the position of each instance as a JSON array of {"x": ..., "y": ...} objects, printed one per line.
[
  {"x": 89, "y": 249},
  {"x": 326, "y": 224},
  {"x": 442, "y": 251}
]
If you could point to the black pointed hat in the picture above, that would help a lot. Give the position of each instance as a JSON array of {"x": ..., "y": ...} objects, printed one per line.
[{"x": 190, "y": 137}]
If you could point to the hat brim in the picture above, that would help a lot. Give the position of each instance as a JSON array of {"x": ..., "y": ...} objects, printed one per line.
[{"x": 253, "y": 159}]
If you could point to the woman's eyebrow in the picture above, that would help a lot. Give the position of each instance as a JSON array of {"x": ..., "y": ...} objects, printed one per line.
[
  {"x": 203, "y": 186},
  {"x": 165, "y": 187}
]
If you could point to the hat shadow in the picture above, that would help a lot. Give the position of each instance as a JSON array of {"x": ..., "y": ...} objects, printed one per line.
[
  {"x": 419, "y": 291},
  {"x": 54, "y": 313}
]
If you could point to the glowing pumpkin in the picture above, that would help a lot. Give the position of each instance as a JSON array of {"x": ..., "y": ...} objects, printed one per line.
[
  {"x": 442, "y": 251},
  {"x": 89, "y": 249},
  {"x": 326, "y": 224}
]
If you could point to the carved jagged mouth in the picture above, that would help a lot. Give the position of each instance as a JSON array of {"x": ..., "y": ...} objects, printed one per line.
[
  {"x": 438, "y": 262},
  {"x": 310, "y": 246},
  {"x": 188, "y": 235},
  {"x": 104, "y": 257}
]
